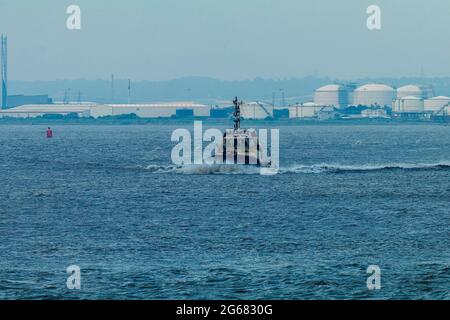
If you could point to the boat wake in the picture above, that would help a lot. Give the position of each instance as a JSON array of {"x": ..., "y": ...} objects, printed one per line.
[
  {"x": 322, "y": 168},
  {"x": 204, "y": 169},
  {"x": 337, "y": 168}
]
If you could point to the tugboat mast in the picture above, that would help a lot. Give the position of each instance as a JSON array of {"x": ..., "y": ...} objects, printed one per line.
[{"x": 237, "y": 114}]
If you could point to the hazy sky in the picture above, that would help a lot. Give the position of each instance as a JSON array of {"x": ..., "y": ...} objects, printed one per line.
[{"x": 225, "y": 39}]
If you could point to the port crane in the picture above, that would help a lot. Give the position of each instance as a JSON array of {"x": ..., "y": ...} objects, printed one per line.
[
  {"x": 264, "y": 108},
  {"x": 442, "y": 110}
]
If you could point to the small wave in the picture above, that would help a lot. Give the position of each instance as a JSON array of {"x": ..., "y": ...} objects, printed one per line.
[
  {"x": 42, "y": 193},
  {"x": 154, "y": 168},
  {"x": 294, "y": 169}
]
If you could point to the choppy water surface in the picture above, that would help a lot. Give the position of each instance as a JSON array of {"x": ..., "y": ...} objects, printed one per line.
[{"x": 108, "y": 199}]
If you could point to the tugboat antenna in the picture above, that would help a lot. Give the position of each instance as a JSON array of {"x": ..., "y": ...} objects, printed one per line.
[{"x": 237, "y": 114}]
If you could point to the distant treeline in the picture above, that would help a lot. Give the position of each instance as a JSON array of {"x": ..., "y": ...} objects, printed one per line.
[{"x": 200, "y": 89}]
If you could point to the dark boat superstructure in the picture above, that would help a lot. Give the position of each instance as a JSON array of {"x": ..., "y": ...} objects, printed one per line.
[{"x": 240, "y": 146}]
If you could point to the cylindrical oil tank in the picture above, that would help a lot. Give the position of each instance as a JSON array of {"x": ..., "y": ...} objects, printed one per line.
[
  {"x": 374, "y": 94},
  {"x": 410, "y": 90},
  {"x": 409, "y": 104},
  {"x": 332, "y": 95},
  {"x": 420, "y": 91},
  {"x": 435, "y": 104}
]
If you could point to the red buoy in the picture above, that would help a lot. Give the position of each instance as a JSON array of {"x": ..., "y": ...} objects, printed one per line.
[{"x": 49, "y": 133}]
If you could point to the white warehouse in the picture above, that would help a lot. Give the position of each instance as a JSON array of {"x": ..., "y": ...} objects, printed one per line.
[
  {"x": 158, "y": 110},
  {"x": 33, "y": 111},
  {"x": 161, "y": 110},
  {"x": 306, "y": 110},
  {"x": 256, "y": 110}
]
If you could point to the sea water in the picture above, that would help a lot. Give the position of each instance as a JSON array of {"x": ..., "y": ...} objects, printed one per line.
[{"x": 108, "y": 199}]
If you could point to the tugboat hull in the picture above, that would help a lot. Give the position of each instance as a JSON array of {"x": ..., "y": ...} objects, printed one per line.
[{"x": 240, "y": 147}]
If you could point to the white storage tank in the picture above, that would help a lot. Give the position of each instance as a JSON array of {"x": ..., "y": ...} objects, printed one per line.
[
  {"x": 409, "y": 90},
  {"x": 374, "y": 94},
  {"x": 409, "y": 104},
  {"x": 435, "y": 104},
  {"x": 332, "y": 95},
  {"x": 419, "y": 91}
]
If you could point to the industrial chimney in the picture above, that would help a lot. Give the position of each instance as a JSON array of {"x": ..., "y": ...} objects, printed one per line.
[{"x": 4, "y": 73}]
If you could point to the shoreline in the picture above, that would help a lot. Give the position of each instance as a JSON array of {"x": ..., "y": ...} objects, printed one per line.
[{"x": 219, "y": 121}]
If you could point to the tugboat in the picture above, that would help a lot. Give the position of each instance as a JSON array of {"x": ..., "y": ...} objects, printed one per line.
[{"x": 240, "y": 146}]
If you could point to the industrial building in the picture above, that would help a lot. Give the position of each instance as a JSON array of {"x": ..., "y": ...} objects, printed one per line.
[
  {"x": 33, "y": 111},
  {"x": 374, "y": 95},
  {"x": 257, "y": 110},
  {"x": 20, "y": 100},
  {"x": 304, "y": 111},
  {"x": 157, "y": 110},
  {"x": 3, "y": 72},
  {"x": 162, "y": 110},
  {"x": 374, "y": 114}
]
